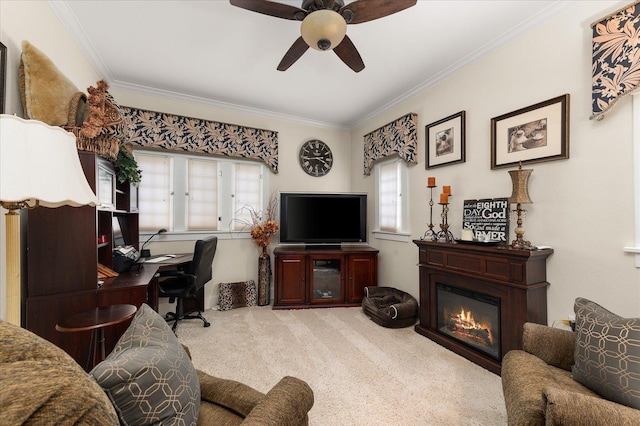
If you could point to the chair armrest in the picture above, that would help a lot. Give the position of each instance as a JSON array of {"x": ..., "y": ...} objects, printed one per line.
[
  {"x": 171, "y": 273},
  {"x": 287, "y": 403},
  {"x": 234, "y": 396},
  {"x": 575, "y": 409},
  {"x": 553, "y": 345}
]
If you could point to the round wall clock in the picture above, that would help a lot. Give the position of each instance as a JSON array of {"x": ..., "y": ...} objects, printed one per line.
[{"x": 316, "y": 158}]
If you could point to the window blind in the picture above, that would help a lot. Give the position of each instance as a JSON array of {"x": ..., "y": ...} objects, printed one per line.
[{"x": 154, "y": 192}]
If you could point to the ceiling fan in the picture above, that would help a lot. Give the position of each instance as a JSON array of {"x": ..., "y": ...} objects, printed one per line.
[{"x": 324, "y": 24}]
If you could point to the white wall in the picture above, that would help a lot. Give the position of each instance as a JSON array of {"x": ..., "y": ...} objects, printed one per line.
[{"x": 583, "y": 206}]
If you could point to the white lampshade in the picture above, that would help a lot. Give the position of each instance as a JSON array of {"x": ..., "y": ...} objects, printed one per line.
[
  {"x": 40, "y": 163},
  {"x": 323, "y": 29}
]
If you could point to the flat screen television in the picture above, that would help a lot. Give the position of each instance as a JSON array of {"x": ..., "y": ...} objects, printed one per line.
[{"x": 323, "y": 218}]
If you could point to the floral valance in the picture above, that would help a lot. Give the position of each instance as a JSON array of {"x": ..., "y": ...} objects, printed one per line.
[
  {"x": 158, "y": 130},
  {"x": 398, "y": 137},
  {"x": 616, "y": 58}
]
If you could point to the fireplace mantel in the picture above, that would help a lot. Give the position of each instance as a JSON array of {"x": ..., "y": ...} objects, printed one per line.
[{"x": 516, "y": 277}]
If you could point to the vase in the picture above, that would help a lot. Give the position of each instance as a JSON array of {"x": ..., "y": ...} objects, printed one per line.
[{"x": 264, "y": 277}]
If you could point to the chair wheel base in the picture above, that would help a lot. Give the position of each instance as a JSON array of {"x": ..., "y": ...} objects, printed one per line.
[{"x": 171, "y": 316}]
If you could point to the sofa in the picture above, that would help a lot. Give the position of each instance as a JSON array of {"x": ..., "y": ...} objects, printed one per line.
[
  {"x": 561, "y": 377},
  {"x": 147, "y": 379}
]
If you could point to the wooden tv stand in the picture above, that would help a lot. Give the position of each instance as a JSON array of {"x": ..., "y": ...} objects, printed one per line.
[{"x": 320, "y": 277}]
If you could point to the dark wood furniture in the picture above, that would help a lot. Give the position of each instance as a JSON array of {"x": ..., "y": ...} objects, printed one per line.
[
  {"x": 318, "y": 277},
  {"x": 516, "y": 277},
  {"x": 61, "y": 253},
  {"x": 96, "y": 320}
]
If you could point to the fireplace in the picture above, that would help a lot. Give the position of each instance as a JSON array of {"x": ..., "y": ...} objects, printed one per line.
[
  {"x": 469, "y": 317},
  {"x": 475, "y": 299}
]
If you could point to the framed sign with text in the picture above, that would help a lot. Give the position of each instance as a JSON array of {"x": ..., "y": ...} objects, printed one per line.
[{"x": 488, "y": 219}]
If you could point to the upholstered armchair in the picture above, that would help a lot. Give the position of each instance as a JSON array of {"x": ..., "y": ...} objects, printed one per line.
[
  {"x": 227, "y": 402},
  {"x": 539, "y": 389},
  {"x": 42, "y": 384}
]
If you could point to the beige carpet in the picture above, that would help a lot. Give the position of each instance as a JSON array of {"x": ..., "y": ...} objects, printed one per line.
[{"x": 361, "y": 373}]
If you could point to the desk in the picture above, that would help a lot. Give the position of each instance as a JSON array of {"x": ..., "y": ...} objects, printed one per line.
[
  {"x": 133, "y": 287},
  {"x": 95, "y": 320},
  {"x": 166, "y": 260}
]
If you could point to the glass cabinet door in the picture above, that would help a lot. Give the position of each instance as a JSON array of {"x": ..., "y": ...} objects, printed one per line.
[{"x": 326, "y": 279}]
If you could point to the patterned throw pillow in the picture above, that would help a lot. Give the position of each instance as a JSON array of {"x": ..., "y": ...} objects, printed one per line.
[
  {"x": 149, "y": 376},
  {"x": 237, "y": 295},
  {"x": 607, "y": 353}
]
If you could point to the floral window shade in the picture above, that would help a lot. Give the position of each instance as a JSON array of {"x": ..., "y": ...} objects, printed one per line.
[
  {"x": 156, "y": 130},
  {"x": 616, "y": 58},
  {"x": 398, "y": 137}
]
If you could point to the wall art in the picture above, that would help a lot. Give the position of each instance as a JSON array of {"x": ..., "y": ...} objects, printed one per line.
[
  {"x": 488, "y": 219},
  {"x": 445, "y": 140},
  {"x": 533, "y": 134}
]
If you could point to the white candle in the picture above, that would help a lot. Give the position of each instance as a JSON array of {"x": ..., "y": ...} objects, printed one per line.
[{"x": 467, "y": 235}]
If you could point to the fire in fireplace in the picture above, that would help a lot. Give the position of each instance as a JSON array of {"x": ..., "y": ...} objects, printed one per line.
[{"x": 471, "y": 318}]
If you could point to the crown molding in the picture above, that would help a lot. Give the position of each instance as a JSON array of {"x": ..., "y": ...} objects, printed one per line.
[
  {"x": 70, "y": 22},
  {"x": 225, "y": 105},
  {"x": 536, "y": 21}
]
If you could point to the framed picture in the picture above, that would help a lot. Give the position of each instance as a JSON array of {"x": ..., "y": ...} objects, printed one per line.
[
  {"x": 3, "y": 75},
  {"x": 445, "y": 141},
  {"x": 534, "y": 134}
]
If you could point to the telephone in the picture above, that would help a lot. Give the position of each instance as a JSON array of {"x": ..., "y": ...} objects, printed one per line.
[{"x": 125, "y": 258}]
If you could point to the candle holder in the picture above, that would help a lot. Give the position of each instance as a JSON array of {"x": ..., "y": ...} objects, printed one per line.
[
  {"x": 430, "y": 233},
  {"x": 444, "y": 233}
]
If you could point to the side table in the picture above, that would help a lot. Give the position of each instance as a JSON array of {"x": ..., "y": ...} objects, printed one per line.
[{"x": 96, "y": 320}]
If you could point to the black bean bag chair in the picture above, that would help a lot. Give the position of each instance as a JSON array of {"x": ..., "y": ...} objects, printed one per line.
[{"x": 390, "y": 307}]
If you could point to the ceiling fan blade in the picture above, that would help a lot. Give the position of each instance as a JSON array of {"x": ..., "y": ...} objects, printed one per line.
[
  {"x": 347, "y": 51},
  {"x": 279, "y": 10},
  {"x": 368, "y": 10},
  {"x": 294, "y": 53}
]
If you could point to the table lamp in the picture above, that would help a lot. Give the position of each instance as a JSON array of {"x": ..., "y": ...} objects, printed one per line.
[
  {"x": 519, "y": 196},
  {"x": 39, "y": 166}
]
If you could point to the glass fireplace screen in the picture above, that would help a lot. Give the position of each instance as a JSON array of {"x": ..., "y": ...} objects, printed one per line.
[{"x": 469, "y": 317}]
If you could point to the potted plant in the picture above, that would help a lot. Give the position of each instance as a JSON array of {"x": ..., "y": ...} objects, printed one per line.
[{"x": 127, "y": 168}]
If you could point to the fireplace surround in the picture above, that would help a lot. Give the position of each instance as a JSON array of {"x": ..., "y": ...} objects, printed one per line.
[{"x": 474, "y": 300}]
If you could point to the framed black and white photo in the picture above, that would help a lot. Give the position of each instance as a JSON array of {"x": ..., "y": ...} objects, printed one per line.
[
  {"x": 445, "y": 140},
  {"x": 533, "y": 134},
  {"x": 3, "y": 75}
]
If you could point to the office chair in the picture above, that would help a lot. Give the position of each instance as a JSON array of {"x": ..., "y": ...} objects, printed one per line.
[{"x": 185, "y": 284}]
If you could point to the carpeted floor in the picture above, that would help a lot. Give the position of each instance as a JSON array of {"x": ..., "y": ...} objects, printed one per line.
[{"x": 361, "y": 373}]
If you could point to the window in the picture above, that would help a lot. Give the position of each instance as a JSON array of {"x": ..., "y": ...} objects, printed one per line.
[
  {"x": 186, "y": 193},
  {"x": 636, "y": 174},
  {"x": 154, "y": 192},
  {"x": 392, "y": 203}
]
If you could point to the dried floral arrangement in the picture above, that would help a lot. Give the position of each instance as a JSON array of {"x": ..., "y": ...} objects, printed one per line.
[
  {"x": 97, "y": 118},
  {"x": 262, "y": 223}
]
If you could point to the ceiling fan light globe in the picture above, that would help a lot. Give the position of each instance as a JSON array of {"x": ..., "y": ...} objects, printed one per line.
[{"x": 323, "y": 29}]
